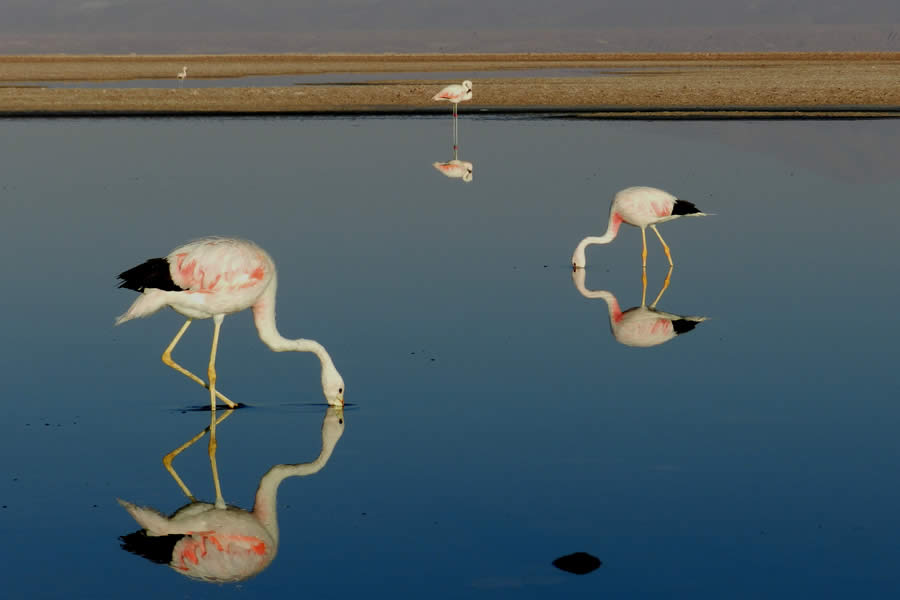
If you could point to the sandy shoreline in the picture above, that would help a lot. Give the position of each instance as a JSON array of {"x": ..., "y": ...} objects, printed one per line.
[{"x": 638, "y": 86}]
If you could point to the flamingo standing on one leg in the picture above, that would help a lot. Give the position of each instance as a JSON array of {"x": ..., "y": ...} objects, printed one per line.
[
  {"x": 642, "y": 207},
  {"x": 182, "y": 75},
  {"x": 455, "y": 93},
  {"x": 211, "y": 278}
]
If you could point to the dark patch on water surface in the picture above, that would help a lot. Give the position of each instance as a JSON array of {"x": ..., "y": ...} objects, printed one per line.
[
  {"x": 207, "y": 408},
  {"x": 579, "y": 563}
]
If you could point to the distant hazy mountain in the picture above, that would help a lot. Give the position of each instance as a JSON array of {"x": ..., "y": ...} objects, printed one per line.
[
  {"x": 452, "y": 25},
  {"x": 118, "y": 16}
]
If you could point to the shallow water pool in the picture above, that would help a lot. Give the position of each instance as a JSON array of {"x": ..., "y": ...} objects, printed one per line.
[{"x": 494, "y": 422}]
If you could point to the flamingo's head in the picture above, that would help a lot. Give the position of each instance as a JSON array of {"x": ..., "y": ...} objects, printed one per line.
[
  {"x": 578, "y": 260},
  {"x": 333, "y": 386},
  {"x": 578, "y": 279},
  {"x": 466, "y": 169},
  {"x": 468, "y": 85},
  {"x": 332, "y": 426}
]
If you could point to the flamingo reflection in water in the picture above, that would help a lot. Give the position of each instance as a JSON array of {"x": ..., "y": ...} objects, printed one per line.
[
  {"x": 642, "y": 326},
  {"x": 455, "y": 168},
  {"x": 219, "y": 542}
]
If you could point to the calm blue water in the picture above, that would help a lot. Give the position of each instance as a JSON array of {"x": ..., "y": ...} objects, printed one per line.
[{"x": 494, "y": 422}]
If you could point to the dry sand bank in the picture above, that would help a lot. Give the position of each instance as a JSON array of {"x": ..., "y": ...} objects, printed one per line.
[{"x": 678, "y": 84}]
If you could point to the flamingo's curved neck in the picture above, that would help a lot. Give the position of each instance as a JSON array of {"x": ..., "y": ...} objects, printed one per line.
[
  {"x": 264, "y": 318},
  {"x": 265, "y": 507},
  {"x": 612, "y": 304},
  {"x": 612, "y": 229}
]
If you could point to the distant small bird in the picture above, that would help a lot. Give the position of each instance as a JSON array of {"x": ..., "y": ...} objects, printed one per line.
[
  {"x": 641, "y": 207},
  {"x": 455, "y": 93},
  {"x": 182, "y": 74},
  {"x": 459, "y": 169},
  {"x": 211, "y": 278}
]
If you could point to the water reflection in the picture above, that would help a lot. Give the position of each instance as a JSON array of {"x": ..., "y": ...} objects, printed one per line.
[
  {"x": 456, "y": 169},
  {"x": 218, "y": 542},
  {"x": 642, "y": 326}
]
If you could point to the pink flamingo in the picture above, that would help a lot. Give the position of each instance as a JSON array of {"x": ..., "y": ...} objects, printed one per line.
[
  {"x": 641, "y": 326},
  {"x": 217, "y": 542},
  {"x": 211, "y": 278},
  {"x": 641, "y": 207},
  {"x": 458, "y": 169},
  {"x": 455, "y": 93}
]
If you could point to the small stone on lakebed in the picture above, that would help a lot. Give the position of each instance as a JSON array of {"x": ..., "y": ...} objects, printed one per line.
[{"x": 580, "y": 563}]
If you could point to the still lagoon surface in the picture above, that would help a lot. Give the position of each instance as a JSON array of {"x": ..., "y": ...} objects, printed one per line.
[{"x": 494, "y": 422}]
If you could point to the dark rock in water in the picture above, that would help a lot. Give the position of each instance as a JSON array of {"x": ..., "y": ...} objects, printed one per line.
[{"x": 580, "y": 563}]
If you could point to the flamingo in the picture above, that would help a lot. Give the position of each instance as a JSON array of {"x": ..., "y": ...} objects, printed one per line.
[
  {"x": 218, "y": 542},
  {"x": 455, "y": 93},
  {"x": 642, "y": 207},
  {"x": 182, "y": 74},
  {"x": 642, "y": 326},
  {"x": 210, "y": 278},
  {"x": 459, "y": 169}
]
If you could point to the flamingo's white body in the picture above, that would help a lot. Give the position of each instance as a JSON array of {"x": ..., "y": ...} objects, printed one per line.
[
  {"x": 182, "y": 74},
  {"x": 455, "y": 94},
  {"x": 642, "y": 207},
  {"x": 459, "y": 169},
  {"x": 221, "y": 543},
  {"x": 211, "y": 278},
  {"x": 641, "y": 326}
]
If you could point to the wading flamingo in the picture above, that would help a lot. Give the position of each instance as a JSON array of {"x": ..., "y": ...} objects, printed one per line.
[
  {"x": 218, "y": 542},
  {"x": 642, "y": 207},
  {"x": 182, "y": 74},
  {"x": 211, "y": 278},
  {"x": 642, "y": 326},
  {"x": 455, "y": 93}
]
